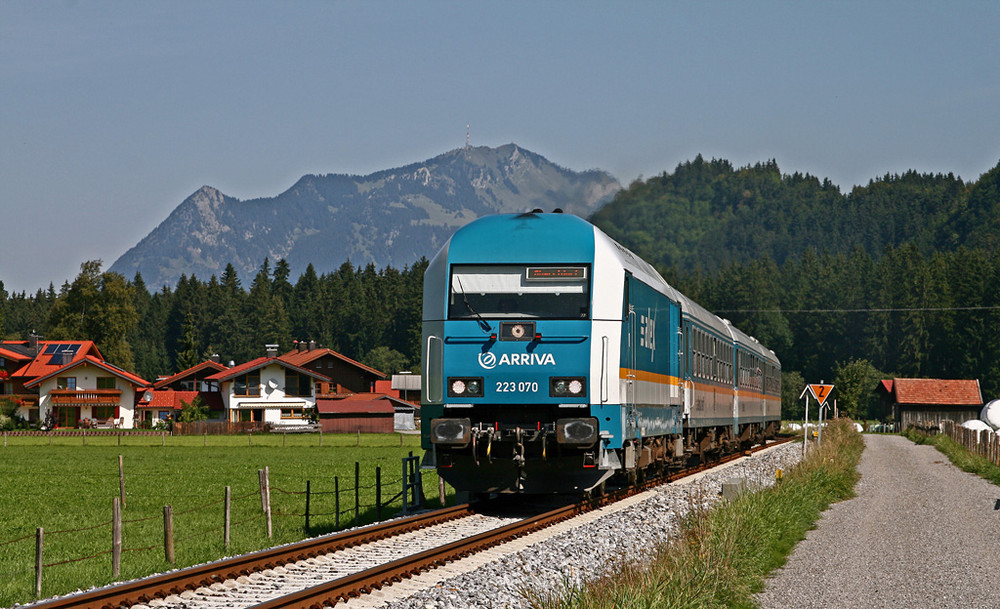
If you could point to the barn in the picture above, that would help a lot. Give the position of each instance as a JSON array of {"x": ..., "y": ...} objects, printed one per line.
[
  {"x": 360, "y": 412},
  {"x": 912, "y": 401}
]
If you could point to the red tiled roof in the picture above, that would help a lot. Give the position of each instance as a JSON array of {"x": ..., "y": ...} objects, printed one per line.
[
  {"x": 366, "y": 405},
  {"x": 172, "y": 399},
  {"x": 13, "y": 355},
  {"x": 260, "y": 362},
  {"x": 91, "y": 360},
  {"x": 192, "y": 370},
  {"x": 937, "y": 391},
  {"x": 301, "y": 358},
  {"x": 45, "y": 363}
]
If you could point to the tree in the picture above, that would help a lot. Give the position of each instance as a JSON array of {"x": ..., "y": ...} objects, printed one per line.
[
  {"x": 99, "y": 307},
  {"x": 195, "y": 410},
  {"x": 386, "y": 360},
  {"x": 189, "y": 353},
  {"x": 856, "y": 382},
  {"x": 792, "y": 384}
]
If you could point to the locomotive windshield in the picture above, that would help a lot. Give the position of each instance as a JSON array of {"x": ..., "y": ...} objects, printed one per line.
[{"x": 519, "y": 291}]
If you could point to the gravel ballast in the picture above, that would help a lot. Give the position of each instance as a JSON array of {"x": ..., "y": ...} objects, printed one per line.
[
  {"x": 920, "y": 533},
  {"x": 584, "y": 552}
]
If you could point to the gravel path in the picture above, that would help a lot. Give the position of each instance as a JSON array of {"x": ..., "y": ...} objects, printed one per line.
[{"x": 920, "y": 533}]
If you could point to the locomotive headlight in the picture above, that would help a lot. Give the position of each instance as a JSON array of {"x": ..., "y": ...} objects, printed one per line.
[
  {"x": 456, "y": 432},
  {"x": 465, "y": 387},
  {"x": 567, "y": 386},
  {"x": 581, "y": 432}
]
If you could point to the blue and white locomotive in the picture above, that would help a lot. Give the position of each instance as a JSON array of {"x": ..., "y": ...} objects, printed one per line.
[{"x": 555, "y": 358}]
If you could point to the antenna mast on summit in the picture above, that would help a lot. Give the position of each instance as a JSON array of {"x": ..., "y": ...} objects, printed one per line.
[{"x": 467, "y": 138}]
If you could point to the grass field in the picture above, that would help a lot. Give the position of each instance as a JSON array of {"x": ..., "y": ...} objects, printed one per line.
[{"x": 68, "y": 488}]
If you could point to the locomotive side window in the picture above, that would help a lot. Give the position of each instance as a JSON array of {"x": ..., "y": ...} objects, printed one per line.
[{"x": 519, "y": 291}]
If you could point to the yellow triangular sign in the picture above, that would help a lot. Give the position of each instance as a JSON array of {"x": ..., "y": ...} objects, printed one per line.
[{"x": 820, "y": 392}]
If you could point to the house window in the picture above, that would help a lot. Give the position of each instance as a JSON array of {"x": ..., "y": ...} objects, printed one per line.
[
  {"x": 291, "y": 413},
  {"x": 102, "y": 413},
  {"x": 106, "y": 382},
  {"x": 249, "y": 415},
  {"x": 297, "y": 384},
  {"x": 66, "y": 382},
  {"x": 247, "y": 384}
]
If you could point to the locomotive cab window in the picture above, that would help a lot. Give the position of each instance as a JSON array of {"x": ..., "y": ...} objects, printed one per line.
[{"x": 519, "y": 291}]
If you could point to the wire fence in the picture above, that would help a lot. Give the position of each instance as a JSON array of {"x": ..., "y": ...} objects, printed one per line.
[{"x": 344, "y": 504}]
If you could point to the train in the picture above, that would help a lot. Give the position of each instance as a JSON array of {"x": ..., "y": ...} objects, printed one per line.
[{"x": 555, "y": 360}]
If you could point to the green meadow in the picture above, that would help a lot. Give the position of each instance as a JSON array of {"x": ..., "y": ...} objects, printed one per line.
[{"x": 67, "y": 486}]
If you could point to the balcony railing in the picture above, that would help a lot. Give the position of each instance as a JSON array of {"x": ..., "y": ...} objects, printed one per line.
[{"x": 85, "y": 397}]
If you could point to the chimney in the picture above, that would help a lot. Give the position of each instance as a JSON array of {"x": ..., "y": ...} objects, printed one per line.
[
  {"x": 216, "y": 358},
  {"x": 271, "y": 350},
  {"x": 33, "y": 342},
  {"x": 312, "y": 345},
  {"x": 303, "y": 346},
  {"x": 67, "y": 357}
]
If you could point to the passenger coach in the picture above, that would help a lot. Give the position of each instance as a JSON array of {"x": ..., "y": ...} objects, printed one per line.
[{"x": 555, "y": 358}]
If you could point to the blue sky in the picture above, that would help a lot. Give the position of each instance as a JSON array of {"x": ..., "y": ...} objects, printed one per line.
[{"x": 111, "y": 113}]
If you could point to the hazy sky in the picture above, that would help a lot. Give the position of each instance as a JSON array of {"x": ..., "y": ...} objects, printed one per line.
[{"x": 111, "y": 113}]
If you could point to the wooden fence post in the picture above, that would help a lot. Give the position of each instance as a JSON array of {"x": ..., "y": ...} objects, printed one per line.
[
  {"x": 441, "y": 490},
  {"x": 378, "y": 493},
  {"x": 39, "y": 545},
  {"x": 307, "y": 506},
  {"x": 116, "y": 538},
  {"x": 168, "y": 533},
  {"x": 336, "y": 501},
  {"x": 267, "y": 494},
  {"x": 357, "y": 491},
  {"x": 226, "y": 518}
]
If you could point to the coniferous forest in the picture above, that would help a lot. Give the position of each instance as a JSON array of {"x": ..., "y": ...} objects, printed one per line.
[{"x": 895, "y": 278}]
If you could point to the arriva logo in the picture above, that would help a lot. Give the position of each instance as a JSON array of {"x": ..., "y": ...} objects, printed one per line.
[{"x": 489, "y": 360}]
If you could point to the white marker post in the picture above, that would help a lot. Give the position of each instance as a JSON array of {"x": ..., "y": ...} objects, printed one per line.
[
  {"x": 805, "y": 423},
  {"x": 820, "y": 392}
]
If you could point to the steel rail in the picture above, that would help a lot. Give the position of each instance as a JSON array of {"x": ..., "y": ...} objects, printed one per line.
[
  {"x": 141, "y": 591},
  {"x": 364, "y": 582},
  {"x": 158, "y": 586}
]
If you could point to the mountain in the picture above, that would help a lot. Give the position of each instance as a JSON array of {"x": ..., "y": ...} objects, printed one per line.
[{"x": 389, "y": 218}]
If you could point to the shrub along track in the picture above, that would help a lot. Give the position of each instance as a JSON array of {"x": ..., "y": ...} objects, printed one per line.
[{"x": 143, "y": 591}]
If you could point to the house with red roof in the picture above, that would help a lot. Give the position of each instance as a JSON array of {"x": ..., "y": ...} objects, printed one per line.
[
  {"x": 168, "y": 395},
  {"x": 929, "y": 401},
  {"x": 347, "y": 376},
  {"x": 269, "y": 389},
  {"x": 68, "y": 383}
]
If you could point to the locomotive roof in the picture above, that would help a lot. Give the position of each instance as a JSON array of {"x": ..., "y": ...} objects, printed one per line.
[{"x": 523, "y": 238}]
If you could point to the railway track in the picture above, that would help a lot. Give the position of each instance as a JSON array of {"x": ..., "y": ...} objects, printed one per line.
[{"x": 312, "y": 556}]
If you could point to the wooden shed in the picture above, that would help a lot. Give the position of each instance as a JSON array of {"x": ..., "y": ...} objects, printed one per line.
[
  {"x": 929, "y": 401},
  {"x": 360, "y": 412}
]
